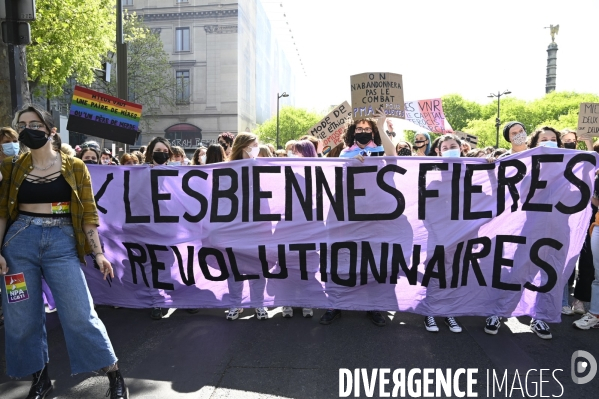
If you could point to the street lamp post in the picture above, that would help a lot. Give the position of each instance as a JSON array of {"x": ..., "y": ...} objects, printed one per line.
[
  {"x": 278, "y": 98},
  {"x": 498, "y": 121}
]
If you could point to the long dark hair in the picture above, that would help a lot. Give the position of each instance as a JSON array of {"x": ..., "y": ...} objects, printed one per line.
[
  {"x": 150, "y": 150},
  {"x": 348, "y": 137},
  {"x": 534, "y": 139},
  {"x": 215, "y": 153}
]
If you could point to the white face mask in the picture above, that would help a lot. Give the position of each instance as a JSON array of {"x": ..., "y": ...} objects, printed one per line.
[
  {"x": 254, "y": 151},
  {"x": 203, "y": 159},
  {"x": 550, "y": 144},
  {"x": 519, "y": 138},
  {"x": 290, "y": 154},
  {"x": 451, "y": 153}
]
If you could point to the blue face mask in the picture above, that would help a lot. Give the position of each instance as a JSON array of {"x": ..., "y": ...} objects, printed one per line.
[
  {"x": 550, "y": 144},
  {"x": 451, "y": 153},
  {"x": 10, "y": 149}
]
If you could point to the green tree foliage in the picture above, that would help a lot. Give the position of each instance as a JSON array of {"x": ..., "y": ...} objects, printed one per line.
[
  {"x": 556, "y": 109},
  {"x": 293, "y": 123},
  {"x": 150, "y": 78},
  {"x": 69, "y": 38},
  {"x": 459, "y": 111}
]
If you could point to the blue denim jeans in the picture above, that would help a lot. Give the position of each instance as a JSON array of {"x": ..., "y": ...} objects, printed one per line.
[
  {"x": 595, "y": 286},
  {"x": 37, "y": 250}
]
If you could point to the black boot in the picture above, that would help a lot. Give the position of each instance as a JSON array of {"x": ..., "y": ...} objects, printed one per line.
[
  {"x": 41, "y": 384},
  {"x": 118, "y": 389}
]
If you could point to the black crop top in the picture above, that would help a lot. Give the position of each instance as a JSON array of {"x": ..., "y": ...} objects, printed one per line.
[{"x": 42, "y": 190}]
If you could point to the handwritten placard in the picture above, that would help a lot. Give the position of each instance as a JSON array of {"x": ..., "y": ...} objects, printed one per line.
[
  {"x": 331, "y": 127},
  {"x": 371, "y": 91},
  {"x": 104, "y": 116},
  {"x": 470, "y": 138},
  {"x": 588, "y": 120},
  {"x": 428, "y": 114}
]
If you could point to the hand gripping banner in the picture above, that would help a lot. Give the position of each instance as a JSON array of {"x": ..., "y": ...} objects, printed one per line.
[{"x": 433, "y": 236}]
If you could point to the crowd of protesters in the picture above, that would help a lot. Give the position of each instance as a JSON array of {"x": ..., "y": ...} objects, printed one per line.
[{"x": 49, "y": 172}]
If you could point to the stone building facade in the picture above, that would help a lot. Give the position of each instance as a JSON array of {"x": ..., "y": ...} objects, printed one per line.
[{"x": 226, "y": 62}]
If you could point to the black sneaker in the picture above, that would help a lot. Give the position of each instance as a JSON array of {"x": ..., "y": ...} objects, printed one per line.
[
  {"x": 376, "y": 318},
  {"x": 492, "y": 325},
  {"x": 156, "y": 314},
  {"x": 192, "y": 311},
  {"x": 329, "y": 316},
  {"x": 453, "y": 325},
  {"x": 541, "y": 329},
  {"x": 430, "y": 324}
]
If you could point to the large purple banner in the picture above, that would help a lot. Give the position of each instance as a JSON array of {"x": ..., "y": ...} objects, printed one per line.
[{"x": 433, "y": 236}]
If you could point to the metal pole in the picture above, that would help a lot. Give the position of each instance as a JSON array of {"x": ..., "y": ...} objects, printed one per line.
[
  {"x": 121, "y": 57},
  {"x": 278, "y": 146},
  {"x": 14, "y": 66},
  {"x": 497, "y": 122}
]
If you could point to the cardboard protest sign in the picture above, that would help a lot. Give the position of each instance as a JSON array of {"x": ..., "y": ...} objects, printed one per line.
[
  {"x": 428, "y": 114},
  {"x": 101, "y": 115},
  {"x": 588, "y": 120},
  {"x": 331, "y": 127},
  {"x": 471, "y": 139},
  {"x": 371, "y": 91}
]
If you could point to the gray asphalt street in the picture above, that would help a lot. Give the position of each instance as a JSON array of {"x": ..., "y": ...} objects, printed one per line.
[{"x": 205, "y": 356}]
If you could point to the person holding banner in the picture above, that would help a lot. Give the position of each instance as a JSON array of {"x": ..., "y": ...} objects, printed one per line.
[
  {"x": 214, "y": 154},
  {"x": 364, "y": 137},
  {"x": 514, "y": 133},
  {"x": 49, "y": 199},
  {"x": 546, "y": 137},
  {"x": 404, "y": 149},
  {"x": 246, "y": 146},
  {"x": 591, "y": 318},
  {"x": 449, "y": 146}
]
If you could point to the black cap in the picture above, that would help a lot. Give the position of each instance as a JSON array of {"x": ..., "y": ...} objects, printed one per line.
[{"x": 508, "y": 126}]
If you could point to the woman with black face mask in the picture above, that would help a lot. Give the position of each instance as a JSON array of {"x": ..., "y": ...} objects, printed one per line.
[
  {"x": 422, "y": 144},
  {"x": 89, "y": 155},
  {"x": 363, "y": 138},
  {"x": 569, "y": 139},
  {"x": 49, "y": 199},
  {"x": 159, "y": 151}
]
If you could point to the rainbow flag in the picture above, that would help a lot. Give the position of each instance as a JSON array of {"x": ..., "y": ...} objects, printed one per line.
[{"x": 104, "y": 116}]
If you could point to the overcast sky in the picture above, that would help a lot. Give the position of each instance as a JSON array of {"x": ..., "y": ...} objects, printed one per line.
[{"x": 440, "y": 47}]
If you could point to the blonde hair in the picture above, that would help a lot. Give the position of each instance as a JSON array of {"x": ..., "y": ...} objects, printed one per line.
[
  {"x": 9, "y": 132},
  {"x": 241, "y": 141},
  {"x": 264, "y": 151},
  {"x": 67, "y": 149}
]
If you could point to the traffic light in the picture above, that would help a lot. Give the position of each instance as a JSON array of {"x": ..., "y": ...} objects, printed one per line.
[{"x": 105, "y": 71}]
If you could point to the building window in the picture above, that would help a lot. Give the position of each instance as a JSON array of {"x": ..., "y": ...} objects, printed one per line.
[
  {"x": 182, "y": 39},
  {"x": 183, "y": 87},
  {"x": 182, "y": 1},
  {"x": 127, "y": 2}
]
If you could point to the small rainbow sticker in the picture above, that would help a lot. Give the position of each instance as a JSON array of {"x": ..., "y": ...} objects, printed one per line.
[{"x": 16, "y": 288}]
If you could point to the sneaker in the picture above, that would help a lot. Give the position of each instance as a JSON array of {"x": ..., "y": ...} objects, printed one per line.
[
  {"x": 307, "y": 312},
  {"x": 430, "y": 324},
  {"x": 567, "y": 310},
  {"x": 287, "y": 312},
  {"x": 192, "y": 311},
  {"x": 376, "y": 318},
  {"x": 492, "y": 325},
  {"x": 578, "y": 307},
  {"x": 329, "y": 316},
  {"x": 156, "y": 314},
  {"x": 540, "y": 328},
  {"x": 234, "y": 313},
  {"x": 453, "y": 325},
  {"x": 261, "y": 314},
  {"x": 587, "y": 321}
]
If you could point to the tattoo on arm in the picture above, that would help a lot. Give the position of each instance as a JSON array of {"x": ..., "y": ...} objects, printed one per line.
[{"x": 92, "y": 242}]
